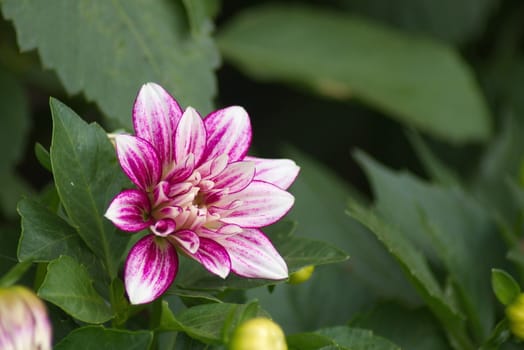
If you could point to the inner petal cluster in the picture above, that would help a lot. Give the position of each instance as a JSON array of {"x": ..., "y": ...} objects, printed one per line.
[{"x": 196, "y": 192}]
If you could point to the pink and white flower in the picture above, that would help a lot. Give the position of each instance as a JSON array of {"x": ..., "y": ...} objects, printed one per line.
[{"x": 197, "y": 193}]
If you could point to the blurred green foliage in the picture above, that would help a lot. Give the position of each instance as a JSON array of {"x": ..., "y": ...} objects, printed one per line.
[{"x": 431, "y": 91}]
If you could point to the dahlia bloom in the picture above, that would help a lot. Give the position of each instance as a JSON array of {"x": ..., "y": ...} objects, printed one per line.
[
  {"x": 24, "y": 324},
  {"x": 197, "y": 193}
]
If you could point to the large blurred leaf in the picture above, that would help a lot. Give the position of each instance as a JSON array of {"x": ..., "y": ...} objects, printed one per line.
[
  {"x": 448, "y": 225},
  {"x": 454, "y": 21},
  {"x": 107, "y": 49},
  {"x": 423, "y": 83},
  {"x": 321, "y": 198},
  {"x": 499, "y": 169},
  {"x": 416, "y": 268},
  {"x": 99, "y": 338},
  {"x": 69, "y": 286},
  {"x": 14, "y": 126},
  {"x": 340, "y": 338},
  {"x": 411, "y": 329},
  {"x": 87, "y": 176}
]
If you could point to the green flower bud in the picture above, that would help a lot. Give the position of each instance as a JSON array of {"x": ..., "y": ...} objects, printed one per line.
[
  {"x": 258, "y": 334},
  {"x": 301, "y": 275},
  {"x": 515, "y": 314},
  {"x": 24, "y": 324}
]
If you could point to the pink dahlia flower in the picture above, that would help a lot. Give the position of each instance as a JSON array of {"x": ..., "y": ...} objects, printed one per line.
[{"x": 197, "y": 193}]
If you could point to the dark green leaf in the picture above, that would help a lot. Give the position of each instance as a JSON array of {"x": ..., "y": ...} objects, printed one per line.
[
  {"x": 46, "y": 236},
  {"x": 505, "y": 287},
  {"x": 43, "y": 156},
  {"x": 416, "y": 268},
  {"x": 299, "y": 252},
  {"x": 210, "y": 323},
  {"x": 14, "y": 274},
  {"x": 411, "y": 329},
  {"x": 14, "y": 127},
  {"x": 451, "y": 227},
  {"x": 454, "y": 21},
  {"x": 107, "y": 49},
  {"x": 434, "y": 167},
  {"x": 370, "y": 264},
  {"x": 342, "y": 338},
  {"x": 87, "y": 177},
  {"x": 420, "y": 82},
  {"x": 100, "y": 338},
  {"x": 69, "y": 286}
]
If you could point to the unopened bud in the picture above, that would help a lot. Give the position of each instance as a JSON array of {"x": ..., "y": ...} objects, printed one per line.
[
  {"x": 258, "y": 334},
  {"x": 301, "y": 275},
  {"x": 515, "y": 314},
  {"x": 24, "y": 324}
]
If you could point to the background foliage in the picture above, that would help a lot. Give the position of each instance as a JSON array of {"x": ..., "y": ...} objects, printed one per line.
[{"x": 406, "y": 118}]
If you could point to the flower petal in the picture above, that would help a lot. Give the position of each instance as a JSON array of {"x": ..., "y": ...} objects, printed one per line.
[
  {"x": 163, "y": 227},
  {"x": 187, "y": 240},
  {"x": 155, "y": 117},
  {"x": 258, "y": 205},
  {"x": 252, "y": 255},
  {"x": 228, "y": 132},
  {"x": 279, "y": 172},
  {"x": 236, "y": 176},
  {"x": 150, "y": 269},
  {"x": 213, "y": 257},
  {"x": 190, "y": 136},
  {"x": 129, "y": 211},
  {"x": 139, "y": 161}
]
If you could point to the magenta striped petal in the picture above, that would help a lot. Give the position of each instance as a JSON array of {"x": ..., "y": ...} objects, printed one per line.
[
  {"x": 190, "y": 136},
  {"x": 163, "y": 227},
  {"x": 213, "y": 257},
  {"x": 139, "y": 161},
  {"x": 187, "y": 240},
  {"x": 279, "y": 172},
  {"x": 228, "y": 132},
  {"x": 252, "y": 255},
  {"x": 150, "y": 269},
  {"x": 258, "y": 205},
  {"x": 155, "y": 117},
  {"x": 236, "y": 176},
  {"x": 129, "y": 211}
]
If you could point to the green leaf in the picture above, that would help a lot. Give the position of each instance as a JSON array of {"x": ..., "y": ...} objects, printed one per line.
[
  {"x": 370, "y": 264},
  {"x": 505, "y": 287},
  {"x": 107, "y": 49},
  {"x": 411, "y": 329},
  {"x": 434, "y": 167},
  {"x": 454, "y": 21},
  {"x": 299, "y": 252},
  {"x": 451, "y": 227},
  {"x": 87, "y": 177},
  {"x": 501, "y": 162},
  {"x": 43, "y": 156},
  {"x": 210, "y": 323},
  {"x": 69, "y": 286},
  {"x": 342, "y": 338},
  {"x": 416, "y": 268},
  {"x": 14, "y": 128},
  {"x": 14, "y": 274},
  {"x": 46, "y": 236},
  {"x": 100, "y": 338},
  {"x": 420, "y": 82}
]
